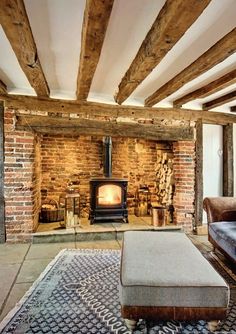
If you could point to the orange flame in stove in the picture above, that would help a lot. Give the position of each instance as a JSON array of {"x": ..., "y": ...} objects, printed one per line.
[{"x": 109, "y": 194}]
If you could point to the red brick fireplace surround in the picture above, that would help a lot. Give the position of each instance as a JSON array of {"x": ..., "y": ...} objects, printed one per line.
[{"x": 34, "y": 162}]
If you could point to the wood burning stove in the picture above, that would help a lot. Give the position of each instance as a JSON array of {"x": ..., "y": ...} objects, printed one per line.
[
  {"x": 108, "y": 196},
  {"x": 108, "y": 199}
]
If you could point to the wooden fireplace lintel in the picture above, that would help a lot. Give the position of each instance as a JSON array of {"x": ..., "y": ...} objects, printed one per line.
[{"x": 83, "y": 126}]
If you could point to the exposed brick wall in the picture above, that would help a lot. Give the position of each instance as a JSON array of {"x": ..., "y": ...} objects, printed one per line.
[
  {"x": 33, "y": 163},
  {"x": 184, "y": 174},
  {"x": 135, "y": 159},
  {"x": 66, "y": 159},
  {"x": 21, "y": 188},
  {"x": 69, "y": 158},
  {"x": 37, "y": 177}
]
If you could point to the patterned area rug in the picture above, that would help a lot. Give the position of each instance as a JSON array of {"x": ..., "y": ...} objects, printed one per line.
[{"x": 78, "y": 293}]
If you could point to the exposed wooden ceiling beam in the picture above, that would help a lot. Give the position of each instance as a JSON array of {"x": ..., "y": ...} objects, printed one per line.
[
  {"x": 93, "y": 110},
  {"x": 213, "y": 56},
  {"x": 3, "y": 87},
  {"x": 96, "y": 17},
  {"x": 233, "y": 109},
  {"x": 15, "y": 23},
  {"x": 211, "y": 88},
  {"x": 170, "y": 25},
  {"x": 78, "y": 126},
  {"x": 220, "y": 101}
]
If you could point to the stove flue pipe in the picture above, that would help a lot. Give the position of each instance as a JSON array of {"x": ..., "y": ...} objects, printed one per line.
[{"x": 107, "y": 165}]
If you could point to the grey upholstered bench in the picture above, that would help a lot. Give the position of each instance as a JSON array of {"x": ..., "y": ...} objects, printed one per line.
[{"x": 164, "y": 276}]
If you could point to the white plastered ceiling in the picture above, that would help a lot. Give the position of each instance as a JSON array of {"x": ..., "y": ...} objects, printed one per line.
[{"x": 57, "y": 25}]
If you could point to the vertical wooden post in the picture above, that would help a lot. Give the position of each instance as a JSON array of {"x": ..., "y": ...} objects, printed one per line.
[
  {"x": 199, "y": 175},
  {"x": 2, "y": 202},
  {"x": 228, "y": 164}
]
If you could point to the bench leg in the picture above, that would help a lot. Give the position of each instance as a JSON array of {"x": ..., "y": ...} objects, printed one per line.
[
  {"x": 130, "y": 323},
  {"x": 213, "y": 325}
]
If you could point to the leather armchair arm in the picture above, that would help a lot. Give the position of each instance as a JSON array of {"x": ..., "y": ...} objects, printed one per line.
[{"x": 215, "y": 206}]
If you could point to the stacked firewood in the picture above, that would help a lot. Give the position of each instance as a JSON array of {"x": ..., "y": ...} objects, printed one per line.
[{"x": 164, "y": 177}]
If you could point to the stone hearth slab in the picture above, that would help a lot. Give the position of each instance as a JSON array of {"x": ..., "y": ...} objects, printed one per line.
[
  {"x": 95, "y": 236},
  {"x": 64, "y": 235},
  {"x": 104, "y": 227},
  {"x": 100, "y": 231},
  {"x": 87, "y": 232},
  {"x": 131, "y": 227}
]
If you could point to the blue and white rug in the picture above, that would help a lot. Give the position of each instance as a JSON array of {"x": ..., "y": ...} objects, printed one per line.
[{"x": 78, "y": 293}]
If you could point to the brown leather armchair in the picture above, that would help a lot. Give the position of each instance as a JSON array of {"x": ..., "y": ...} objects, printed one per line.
[{"x": 221, "y": 218}]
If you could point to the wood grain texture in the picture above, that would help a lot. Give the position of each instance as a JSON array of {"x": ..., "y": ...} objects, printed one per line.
[
  {"x": 174, "y": 313},
  {"x": 3, "y": 88},
  {"x": 220, "y": 101},
  {"x": 96, "y": 17},
  {"x": 83, "y": 126},
  {"x": 228, "y": 160},
  {"x": 211, "y": 88},
  {"x": 15, "y": 23},
  {"x": 213, "y": 56},
  {"x": 96, "y": 110},
  {"x": 2, "y": 202},
  {"x": 199, "y": 175},
  {"x": 170, "y": 25}
]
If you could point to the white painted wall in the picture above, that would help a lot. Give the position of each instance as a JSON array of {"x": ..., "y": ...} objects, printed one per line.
[
  {"x": 212, "y": 161},
  {"x": 234, "y": 151}
]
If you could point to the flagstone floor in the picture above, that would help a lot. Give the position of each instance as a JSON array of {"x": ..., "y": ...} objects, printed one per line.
[{"x": 21, "y": 264}]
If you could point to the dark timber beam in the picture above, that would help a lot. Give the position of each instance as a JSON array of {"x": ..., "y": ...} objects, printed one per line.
[
  {"x": 199, "y": 175},
  {"x": 211, "y": 88},
  {"x": 96, "y": 110},
  {"x": 83, "y": 126},
  {"x": 3, "y": 88},
  {"x": 15, "y": 23},
  {"x": 170, "y": 25},
  {"x": 228, "y": 161},
  {"x": 213, "y": 56},
  {"x": 220, "y": 101},
  {"x": 2, "y": 202},
  {"x": 233, "y": 109},
  {"x": 96, "y": 18}
]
